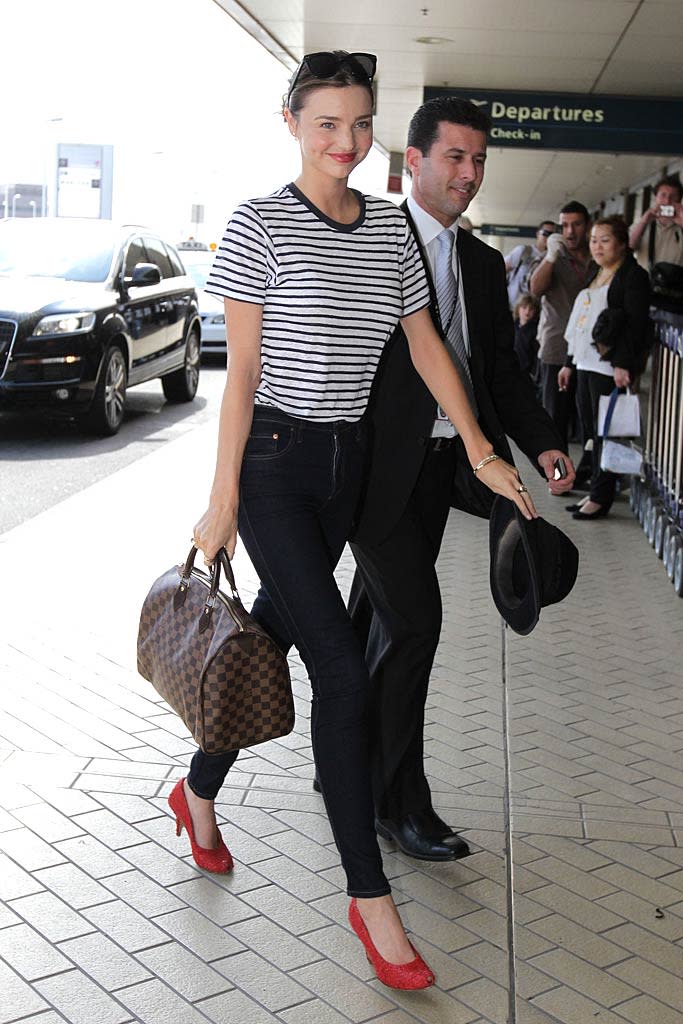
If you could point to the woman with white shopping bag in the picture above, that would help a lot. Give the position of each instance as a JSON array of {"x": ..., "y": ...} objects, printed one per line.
[{"x": 607, "y": 338}]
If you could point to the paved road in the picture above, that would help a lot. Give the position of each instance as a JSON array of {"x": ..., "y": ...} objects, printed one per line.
[{"x": 44, "y": 461}]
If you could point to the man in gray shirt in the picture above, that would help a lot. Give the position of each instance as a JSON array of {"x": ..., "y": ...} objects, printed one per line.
[{"x": 557, "y": 281}]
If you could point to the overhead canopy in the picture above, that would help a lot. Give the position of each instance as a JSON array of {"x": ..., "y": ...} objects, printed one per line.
[{"x": 587, "y": 47}]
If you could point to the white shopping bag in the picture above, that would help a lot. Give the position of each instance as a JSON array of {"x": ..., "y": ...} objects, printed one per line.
[
  {"x": 619, "y": 415},
  {"x": 621, "y": 458}
]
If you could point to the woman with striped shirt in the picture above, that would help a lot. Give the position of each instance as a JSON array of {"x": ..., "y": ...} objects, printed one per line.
[{"x": 315, "y": 278}]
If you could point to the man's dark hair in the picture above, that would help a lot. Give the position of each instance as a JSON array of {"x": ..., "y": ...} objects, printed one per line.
[
  {"x": 673, "y": 181},
  {"x": 423, "y": 130},
  {"x": 576, "y": 207}
]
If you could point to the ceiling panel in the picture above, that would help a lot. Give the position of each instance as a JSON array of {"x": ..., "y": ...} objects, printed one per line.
[{"x": 617, "y": 47}]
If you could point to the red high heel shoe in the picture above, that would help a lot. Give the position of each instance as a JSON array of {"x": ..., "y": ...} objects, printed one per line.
[
  {"x": 413, "y": 975},
  {"x": 219, "y": 860}
]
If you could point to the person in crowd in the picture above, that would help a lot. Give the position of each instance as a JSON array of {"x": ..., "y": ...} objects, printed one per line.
[
  {"x": 315, "y": 278},
  {"x": 418, "y": 466},
  {"x": 657, "y": 237},
  {"x": 622, "y": 287},
  {"x": 525, "y": 316},
  {"x": 557, "y": 280},
  {"x": 521, "y": 262}
]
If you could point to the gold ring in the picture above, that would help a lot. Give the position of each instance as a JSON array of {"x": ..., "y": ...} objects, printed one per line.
[{"x": 522, "y": 490}]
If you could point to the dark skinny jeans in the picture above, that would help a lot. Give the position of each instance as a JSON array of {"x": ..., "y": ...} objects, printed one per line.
[{"x": 299, "y": 489}]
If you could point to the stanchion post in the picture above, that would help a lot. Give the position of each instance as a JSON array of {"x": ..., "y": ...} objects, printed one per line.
[{"x": 507, "y": 824}]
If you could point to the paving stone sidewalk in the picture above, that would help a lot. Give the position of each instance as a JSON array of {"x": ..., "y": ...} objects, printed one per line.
[{"x": 105, "y": 919}]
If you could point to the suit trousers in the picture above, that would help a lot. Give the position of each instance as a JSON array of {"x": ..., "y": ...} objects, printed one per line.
[
  {"x": 559, "y": 405},
  {"x": 395, "y": 606}
]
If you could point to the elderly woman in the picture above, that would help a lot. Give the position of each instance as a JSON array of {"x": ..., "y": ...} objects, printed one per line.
[
  {"x": 622, "y": 287},
  {"x": 315, "y": 277}
]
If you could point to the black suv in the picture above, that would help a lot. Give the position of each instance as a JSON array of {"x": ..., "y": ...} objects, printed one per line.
[{"x": 88, "y": 309}]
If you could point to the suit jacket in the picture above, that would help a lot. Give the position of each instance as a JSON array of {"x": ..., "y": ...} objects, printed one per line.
[{"x": 402, "y": 410}]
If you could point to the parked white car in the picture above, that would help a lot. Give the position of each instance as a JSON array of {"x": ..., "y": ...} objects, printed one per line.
[{"x": 211, "y": 312}]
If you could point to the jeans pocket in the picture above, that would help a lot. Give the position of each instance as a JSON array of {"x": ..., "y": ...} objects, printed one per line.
[{"x": 268, "y": 441}]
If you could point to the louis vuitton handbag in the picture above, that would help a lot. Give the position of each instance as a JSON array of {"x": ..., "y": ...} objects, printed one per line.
[{"x": 211, "y": 661}]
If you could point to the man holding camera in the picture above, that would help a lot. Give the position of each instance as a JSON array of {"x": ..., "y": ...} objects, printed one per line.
[{"x": 658, "y": 236}]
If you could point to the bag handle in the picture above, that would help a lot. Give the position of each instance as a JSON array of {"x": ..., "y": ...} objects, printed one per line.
[
  {"x": 222, "y": 559},
  {"x": 613, "y": 396}
]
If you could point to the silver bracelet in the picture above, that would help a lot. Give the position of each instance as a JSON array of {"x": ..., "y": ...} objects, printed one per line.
[{"x": 485, "y": 462}]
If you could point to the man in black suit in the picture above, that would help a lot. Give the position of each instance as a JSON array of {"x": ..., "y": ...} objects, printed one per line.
[{"x": 419, "y": 469}]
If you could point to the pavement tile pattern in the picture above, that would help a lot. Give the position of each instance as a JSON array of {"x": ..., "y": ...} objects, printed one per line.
[{"x": 105, "y": 919}]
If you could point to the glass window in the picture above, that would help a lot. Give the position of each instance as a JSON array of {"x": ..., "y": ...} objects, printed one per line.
[
  {"x": 67, "y": 249},
  {"x": 199, "y": 273},
  {"x": 175, "y": 261},
  {"x": 156, "y": 253},
  {"x": 136, "y": 254}
]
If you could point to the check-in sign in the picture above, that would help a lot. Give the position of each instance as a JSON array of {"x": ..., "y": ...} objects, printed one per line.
[{"x": 551, "y": 120}]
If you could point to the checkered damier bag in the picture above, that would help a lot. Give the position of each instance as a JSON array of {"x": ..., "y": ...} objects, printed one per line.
[{"x": 211, "y": 661}]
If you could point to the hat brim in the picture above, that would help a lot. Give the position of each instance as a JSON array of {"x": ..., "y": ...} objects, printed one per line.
[
  {"x": 533, "y": 564},
  {"x": 514, "y": 584}
]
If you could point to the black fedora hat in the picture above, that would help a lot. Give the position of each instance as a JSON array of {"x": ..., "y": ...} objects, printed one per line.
[{"x": 533, "y": 564}]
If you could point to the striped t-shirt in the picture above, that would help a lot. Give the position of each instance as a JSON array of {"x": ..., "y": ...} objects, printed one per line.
[{"x": 331, "y": 294}]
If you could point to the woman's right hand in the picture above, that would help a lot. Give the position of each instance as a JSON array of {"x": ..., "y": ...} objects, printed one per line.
[
  {"x": 564, "y": 378},
  {"x": 502, "y": 478},
  {"x": 216, "y": 529}
]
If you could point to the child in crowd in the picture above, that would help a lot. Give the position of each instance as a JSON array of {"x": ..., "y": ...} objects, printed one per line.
[{"x": 525, "y": 313}]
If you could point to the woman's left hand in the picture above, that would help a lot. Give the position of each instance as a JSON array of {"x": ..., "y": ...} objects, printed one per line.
[{"x": 622, "y": 378}]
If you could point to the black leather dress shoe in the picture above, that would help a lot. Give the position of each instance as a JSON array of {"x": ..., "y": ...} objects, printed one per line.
[{"x": 413, "y": 840}]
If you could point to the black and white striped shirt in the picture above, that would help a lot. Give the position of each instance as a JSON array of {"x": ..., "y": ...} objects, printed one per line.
[{"x": 331, "y": 293}]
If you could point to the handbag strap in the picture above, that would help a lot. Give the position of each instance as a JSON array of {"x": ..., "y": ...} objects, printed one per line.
[
  {"x": 222, "y": 560},
  {"x": 613, "y": 397},
  {"x": 614, "y": 394}
]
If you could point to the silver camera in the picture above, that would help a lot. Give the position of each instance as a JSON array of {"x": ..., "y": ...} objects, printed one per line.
[{"x": 666, "y": 211}]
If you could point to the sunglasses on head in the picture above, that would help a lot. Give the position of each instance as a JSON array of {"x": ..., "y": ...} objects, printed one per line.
[{"x": 326, "y": 64}]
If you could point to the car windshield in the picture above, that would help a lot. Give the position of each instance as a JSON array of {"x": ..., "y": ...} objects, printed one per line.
[
  {"x": 71, "y": 249},
  {"x": 198, "y": 270}
]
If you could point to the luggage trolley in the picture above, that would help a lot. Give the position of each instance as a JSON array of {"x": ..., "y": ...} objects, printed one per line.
[{"x": 657, "y": 496}]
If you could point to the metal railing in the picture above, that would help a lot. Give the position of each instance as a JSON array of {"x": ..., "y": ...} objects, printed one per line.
[{"x": 657, "y": 496}]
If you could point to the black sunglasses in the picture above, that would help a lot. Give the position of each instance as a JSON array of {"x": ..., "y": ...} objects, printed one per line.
[
  {"x": 326, "y": 64},
  {"x": 546, "y": 232}
]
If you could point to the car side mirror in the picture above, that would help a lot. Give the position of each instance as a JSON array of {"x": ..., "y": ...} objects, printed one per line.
[{"x": 144, "y": 275}]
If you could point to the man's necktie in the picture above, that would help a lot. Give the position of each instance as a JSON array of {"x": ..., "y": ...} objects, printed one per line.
[{"x": 450, "y": 312}]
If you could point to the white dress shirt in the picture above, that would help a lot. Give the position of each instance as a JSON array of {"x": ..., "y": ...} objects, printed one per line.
[{"x": 428, "y": 228}]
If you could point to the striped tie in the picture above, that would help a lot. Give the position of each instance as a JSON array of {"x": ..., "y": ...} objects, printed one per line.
[{"x": 450, "y": 311}]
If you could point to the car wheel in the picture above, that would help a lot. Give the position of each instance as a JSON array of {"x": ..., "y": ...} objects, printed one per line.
[
  {"x": 669, "y": 534},
  {"x": 660, "y": 527},
  {"x": 670, "y": 553},
  {"x": 651, "y": 514},
  {"x": 642, "y": 507},
  {"x": 105, "y": 415},
  {"x": 635, "y": 493},
  {"x": 182, "y": 384},
  {"x": 678, "y": 568}
]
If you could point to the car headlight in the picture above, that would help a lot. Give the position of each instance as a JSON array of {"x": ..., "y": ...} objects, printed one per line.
[
  {"x": 219, "y": 318},
  {"x": 64, "y": 323}
]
